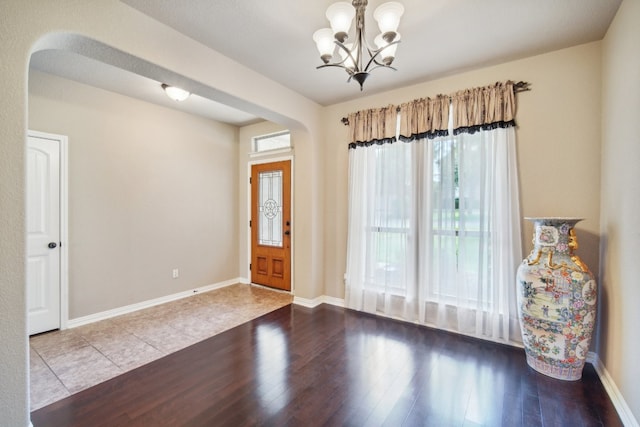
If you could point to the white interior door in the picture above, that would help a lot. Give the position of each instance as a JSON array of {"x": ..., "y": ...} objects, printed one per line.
[{"x": 43, "y": 234}]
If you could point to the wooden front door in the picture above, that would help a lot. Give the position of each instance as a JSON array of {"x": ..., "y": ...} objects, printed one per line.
[{"x": 271, "y": 224}]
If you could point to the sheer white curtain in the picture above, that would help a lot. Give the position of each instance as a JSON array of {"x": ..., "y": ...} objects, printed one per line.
[
  {"x": 471, "y": 235},
  {"x": 382, "y": 252},
  {"x": 434, "y": 231}
]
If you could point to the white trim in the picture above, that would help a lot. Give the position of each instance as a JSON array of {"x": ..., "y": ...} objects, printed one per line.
[
  {"x": 624, "y": 412},
  {"x": 324, "y": 299},
  {"x": 64, "y": 232},
  {"x": 258, "y": 154},
  {"x": 258, "y": 285},
  {"x": 254, "y": 139},
  {"x": 338, "y": 302},
  {"x": 271, "y": 160},
  {"x": 64, "y": 220},
  {"x": 103, "y": 315},
  {"x": 250, "y": 164},
  {"x": 309, "y": 303}
]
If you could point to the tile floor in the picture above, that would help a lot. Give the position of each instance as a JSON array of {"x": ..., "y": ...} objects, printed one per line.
[{"x": 68, "y": 361}]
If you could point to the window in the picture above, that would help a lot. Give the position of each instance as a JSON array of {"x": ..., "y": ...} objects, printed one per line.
[{"x": 275, "y": 141}]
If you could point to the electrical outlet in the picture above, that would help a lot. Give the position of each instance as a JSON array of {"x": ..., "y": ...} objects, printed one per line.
[{"x": 176, "y": 273}]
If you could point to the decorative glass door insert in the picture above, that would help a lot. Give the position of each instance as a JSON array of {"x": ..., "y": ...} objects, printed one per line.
[{"x": 270, "y": 208}]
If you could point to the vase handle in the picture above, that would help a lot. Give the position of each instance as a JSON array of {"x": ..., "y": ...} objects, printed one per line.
[
  {"x": 550, "y": 263},
  {"x": 573, "y": 240},
  {"x": 577, "y": 261},
  {"x": 536, "y": 259}
]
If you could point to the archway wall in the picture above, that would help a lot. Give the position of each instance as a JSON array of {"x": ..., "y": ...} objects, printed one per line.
[{"x": 108, "y": 30}]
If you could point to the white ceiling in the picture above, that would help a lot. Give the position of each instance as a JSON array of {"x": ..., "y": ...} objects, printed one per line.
[{"x": 439, "y": 37}]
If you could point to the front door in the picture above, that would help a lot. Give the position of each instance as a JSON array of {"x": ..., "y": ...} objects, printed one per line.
[
  {"x": 271, "y": 224},
  {"x": 43, "y": 234}
]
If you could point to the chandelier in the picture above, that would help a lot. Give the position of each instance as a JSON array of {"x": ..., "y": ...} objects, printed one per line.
[{"x": 351, "y": 56}]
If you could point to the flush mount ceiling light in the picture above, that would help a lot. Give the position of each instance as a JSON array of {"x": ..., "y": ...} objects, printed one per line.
[
  {"x": 351, "y": 56},
  {"x": 175, "y": 93}
]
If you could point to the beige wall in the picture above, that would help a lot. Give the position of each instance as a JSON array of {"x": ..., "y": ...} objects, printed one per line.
[
  {"x": 150, "y": 189},
  {"x": 110, "y": 23},
  {"x": 307, "y": 226},
  {"x": 619, "y": 343},
  {"x": 558, "y": 139},
  {"x": 245, "y": 140}
]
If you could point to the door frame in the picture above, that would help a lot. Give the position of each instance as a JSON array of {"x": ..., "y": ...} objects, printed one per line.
[
  {"x": 63, "y": 142},
  {"x": 261, "y": 161}
]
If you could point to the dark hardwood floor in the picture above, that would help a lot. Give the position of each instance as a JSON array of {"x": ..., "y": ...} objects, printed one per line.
[{"x": 330, "y": 367}]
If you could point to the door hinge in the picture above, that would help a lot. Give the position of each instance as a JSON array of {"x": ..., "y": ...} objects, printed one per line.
[
  {"x": 249, "y": 223},
  {"x": 249, "y": 180},
  {"x": 249, "y": 267}
]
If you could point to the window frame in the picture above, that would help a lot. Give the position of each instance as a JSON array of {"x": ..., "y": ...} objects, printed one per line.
[{"x": 255, "y": 141}]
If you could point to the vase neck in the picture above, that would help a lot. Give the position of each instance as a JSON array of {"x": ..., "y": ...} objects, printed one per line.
[{"x": 556, "y": 236}]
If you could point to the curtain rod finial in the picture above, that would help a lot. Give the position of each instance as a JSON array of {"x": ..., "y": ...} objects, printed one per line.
[{"x": 522, "y": 86}]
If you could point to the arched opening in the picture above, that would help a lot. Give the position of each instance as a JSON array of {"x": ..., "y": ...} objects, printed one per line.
[{"x": 50, "y": 92}]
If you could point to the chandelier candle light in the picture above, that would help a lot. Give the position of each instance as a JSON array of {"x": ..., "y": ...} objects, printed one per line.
[{"x": 352, "y": 55}]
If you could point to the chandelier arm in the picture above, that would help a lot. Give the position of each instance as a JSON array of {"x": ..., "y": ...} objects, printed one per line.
[
  {"x": 379, "y": 64},
  {"x": 374, "y": 54},
  {"x": 348, "y": 70},
  {"x": 349, "y": 56},
  {"x": 382, "y": 66}
]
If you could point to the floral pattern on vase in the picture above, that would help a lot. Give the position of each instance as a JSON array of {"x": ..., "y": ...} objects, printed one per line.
[{"x": 557, "y": 297}]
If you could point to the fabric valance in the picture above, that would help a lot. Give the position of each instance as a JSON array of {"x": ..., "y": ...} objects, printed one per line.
[
  {"x": 487, "y": 107},
  {"x": 424, "y": 118},
  {"x": 374, "y": 126}
]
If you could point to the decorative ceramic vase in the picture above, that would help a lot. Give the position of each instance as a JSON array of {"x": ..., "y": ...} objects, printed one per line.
[{"x": 556, "y": 301}]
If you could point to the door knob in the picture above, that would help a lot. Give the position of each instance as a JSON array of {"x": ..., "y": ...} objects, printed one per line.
[
  {"x": 52, "y": 245},
  {"x": 287, "y": 232}
]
